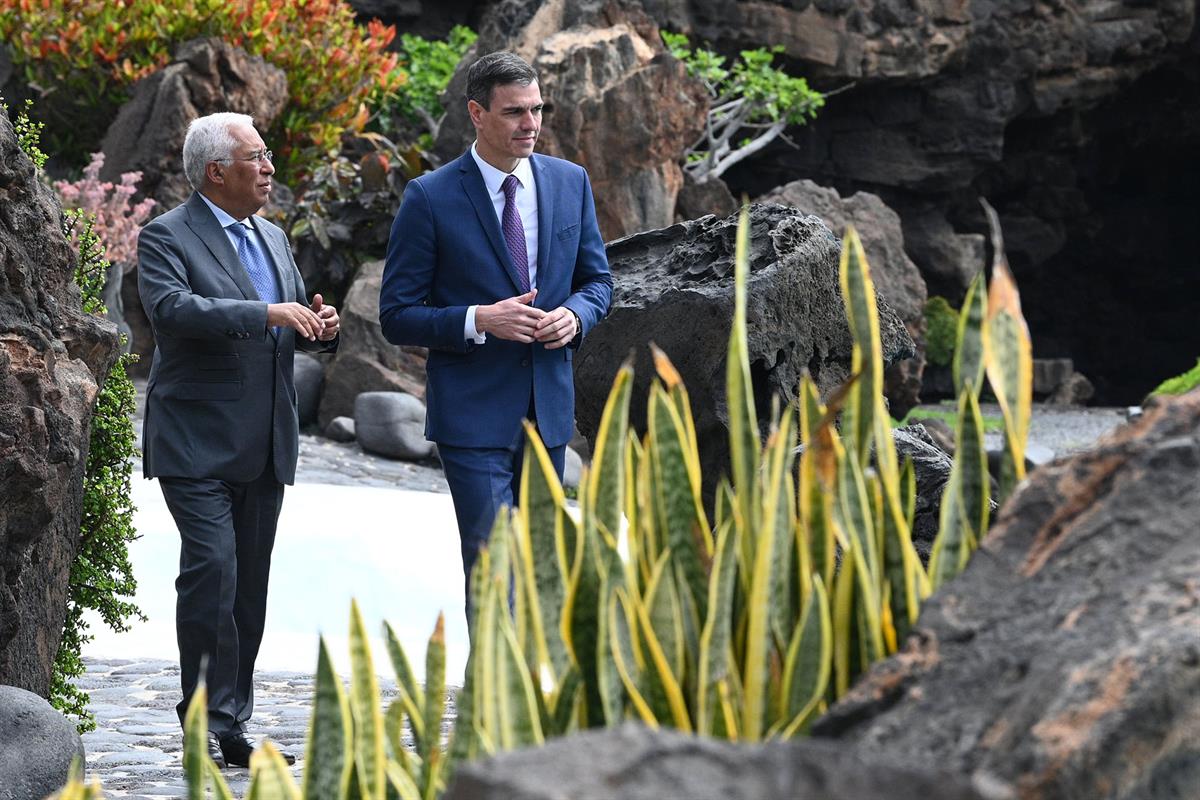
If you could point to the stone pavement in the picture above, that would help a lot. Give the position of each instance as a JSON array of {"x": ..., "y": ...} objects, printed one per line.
[{"x": 136, "y": 750}]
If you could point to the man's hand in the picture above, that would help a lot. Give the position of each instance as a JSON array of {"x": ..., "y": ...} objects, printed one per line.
[
  {"x": 514, "y": 319},
  {"x": 294, "y": 315},
  {"x": 328, "y": 315},
  {"x": 557, "y": 328}
]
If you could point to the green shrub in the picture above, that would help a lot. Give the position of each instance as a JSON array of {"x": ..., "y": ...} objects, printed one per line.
[
  {"x": 101, "y": 575},
  {"x": 638, "y": 608},
  {"x": 1180, "y": 384},
  {"x": 84, "y": 56},
  {"x": 751, "y": 104},
  {"x": 941, "y": 331}
]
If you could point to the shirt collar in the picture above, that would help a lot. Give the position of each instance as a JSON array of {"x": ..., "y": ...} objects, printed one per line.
[
  {"x": 492, "y": 177},
  {"x": 224, "y": 218}
]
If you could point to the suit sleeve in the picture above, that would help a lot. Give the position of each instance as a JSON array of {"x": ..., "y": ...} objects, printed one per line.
[
  {"x": 171, "y": 305},
  {"x": 405, "y": 314},
  {"x": 591, "y": 281}
]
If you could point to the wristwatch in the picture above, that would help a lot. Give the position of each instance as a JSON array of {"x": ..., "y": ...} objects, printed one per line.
[{"x": 578, "y": 322}]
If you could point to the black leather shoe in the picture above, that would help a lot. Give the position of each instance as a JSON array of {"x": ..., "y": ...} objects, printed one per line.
[
  {"x": 214, "y": 750},
  {"x": 237, "y": 748}
]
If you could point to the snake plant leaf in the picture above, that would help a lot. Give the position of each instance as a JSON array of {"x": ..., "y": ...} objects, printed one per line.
[
  {"x": 858, "y": 293},
  {"x": 766, "y": 573},
  {"x": 435, "y": 699},
  {"x": 329, "y": 755},
  {"x": 968, "y": 363},
  {"x": 519, "y": 724},
  {"x": 399, "y": 782},
  {"x": 216, "y": 779},
  {"x": 665, "y": 614},
  {"x": 606, "y": 485},
  {"x": 393, "y": 729},
  {"x": 778, "y": 497},
  {"x": 365, "y": 710},
  {"x": 965, "y": 500},
  {"x": 410, "y": 697},
  {"x": 661, "y": 670},
  {"x": 195, "y": 739},
  {"x": 270, "y": 777},
  {"x": 621, "y": 625},
  {"x": 680, "y": 514},
  {"x": 714, "y": 659},
  {"x": 808, "y": 664},
  {"x": 564, "y": 701},
  {"x": 1008, "y": 357},
  {"x": 581, "y": 624},
  {"x": 844, "y": 621},
  {"x": 540, "y": 554},
  {"x": 743, "y": 421}
]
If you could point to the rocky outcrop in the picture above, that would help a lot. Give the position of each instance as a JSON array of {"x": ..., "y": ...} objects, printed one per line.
[
  {"x": 205, "y": 76},
  {"x": 37, "y": 745},
  {"x": 365, "y": 361},
  {"x": 638, "y": 764},
  {"x": 53, "y": 358},
  {"x": 896, "y": 277},
  {"x": 1074, "y": 119},
  {"x": 1065, "y": 660},
  {"x": 391, "y": 424},
  {"x": 674, "y": 287},
  {"x": 619, "y": 104}
]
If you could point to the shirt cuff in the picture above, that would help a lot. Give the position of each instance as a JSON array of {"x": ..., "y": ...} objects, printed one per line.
[{"x": 469, "y": 332}]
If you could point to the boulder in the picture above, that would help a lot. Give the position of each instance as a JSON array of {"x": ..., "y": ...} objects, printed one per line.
[
  {"x": 37, "y": 746},
  {"x": 205, "y": 76},
  {"x": 309, "y": 376},
  {"x": 341, "y": 429},
  {"x": 635, "y": 763},
  {"x": 391, "y": 424},
  {"x": 896, "y": 277},
  {"x": 1075, "y": 390},
  {"x": 674, "y": 287},
  {"x": 700, "y": 198},
  {"x": 1065, "y": 660},
  {"x": 53, "y": 359},
  {"x": 620, "y": 104},
  {"x": 365, "y": 361}
]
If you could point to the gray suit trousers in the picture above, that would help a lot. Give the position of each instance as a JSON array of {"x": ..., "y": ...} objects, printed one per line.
[{"x": 227, "y": 532}]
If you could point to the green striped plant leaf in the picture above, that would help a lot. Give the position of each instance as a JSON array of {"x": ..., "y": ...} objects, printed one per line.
[
  {"x": 329, "y": 755},
  {"x": 743, "y": 420},
  {"x": 968, "y": 349},
  {"x": 365, "y": 710},
  {"x": 270, "y": 777},
  {"x": 808, "y": 664}
]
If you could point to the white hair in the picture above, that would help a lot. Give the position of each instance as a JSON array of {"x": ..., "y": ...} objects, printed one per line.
[{"x": 208, "y": 139}]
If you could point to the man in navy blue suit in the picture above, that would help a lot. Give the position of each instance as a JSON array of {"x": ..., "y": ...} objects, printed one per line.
[{"x": 496, "y": 264}]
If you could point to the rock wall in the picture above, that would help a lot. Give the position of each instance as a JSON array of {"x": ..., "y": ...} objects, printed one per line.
[
  {"x": 52, "y": 359},
  {"x": 1065, "y": 660},
  {"x": 674, "y": 287},
  {"x": 617, "y": 102}
]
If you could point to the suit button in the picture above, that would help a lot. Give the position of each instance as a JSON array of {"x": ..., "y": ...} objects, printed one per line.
[{"x": 524, "y": 362}]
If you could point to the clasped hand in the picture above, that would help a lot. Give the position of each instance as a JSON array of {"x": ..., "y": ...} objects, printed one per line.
[
  {"x": 517, "y": 320},
  {"x": 316, "y": 322}
]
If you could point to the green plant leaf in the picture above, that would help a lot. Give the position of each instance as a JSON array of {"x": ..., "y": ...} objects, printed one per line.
[
  {"x": 364, "y": 705},
  {"x": 329, "y": 756}
]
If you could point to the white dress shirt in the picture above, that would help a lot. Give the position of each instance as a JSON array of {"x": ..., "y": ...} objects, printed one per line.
[{"x": 527, "y": 207}]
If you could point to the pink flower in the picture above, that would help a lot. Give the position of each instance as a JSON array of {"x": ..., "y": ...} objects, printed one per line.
[{"x": 117, "y": 221}]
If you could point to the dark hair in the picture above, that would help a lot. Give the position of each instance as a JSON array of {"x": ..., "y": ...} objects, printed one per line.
[{"x": 496, "y": 69}]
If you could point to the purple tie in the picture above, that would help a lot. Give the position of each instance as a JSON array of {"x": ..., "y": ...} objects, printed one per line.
[{"x": 514, "y": 231}]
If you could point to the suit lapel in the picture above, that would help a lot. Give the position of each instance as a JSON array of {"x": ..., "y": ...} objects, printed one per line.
[
  {"x": 204, "y": 224},
  {"x": 545, "y": 213},
  {"x": 473, "y": 185}
]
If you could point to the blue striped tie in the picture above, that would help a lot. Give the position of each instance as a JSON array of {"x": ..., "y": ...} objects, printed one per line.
[{"x": 256, "y": 266}]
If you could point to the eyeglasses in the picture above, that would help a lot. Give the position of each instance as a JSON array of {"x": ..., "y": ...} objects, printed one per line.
[{"x": 259, "y": 156}]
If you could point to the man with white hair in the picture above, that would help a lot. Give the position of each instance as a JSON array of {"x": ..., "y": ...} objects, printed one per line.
[{"x": 221, "y": 433}]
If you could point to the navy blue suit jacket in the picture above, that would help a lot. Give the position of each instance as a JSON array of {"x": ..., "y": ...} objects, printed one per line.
[{"x": 446, "y": 253}]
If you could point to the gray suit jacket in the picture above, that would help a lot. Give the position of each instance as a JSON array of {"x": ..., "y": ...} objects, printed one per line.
[{"x": 220, "y": 396}]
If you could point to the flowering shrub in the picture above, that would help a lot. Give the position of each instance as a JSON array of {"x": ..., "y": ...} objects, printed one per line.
[
  {"x": 90, "y": 52},
  {"x": 115, "y": 220}
]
